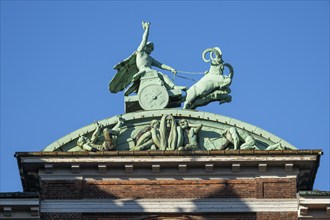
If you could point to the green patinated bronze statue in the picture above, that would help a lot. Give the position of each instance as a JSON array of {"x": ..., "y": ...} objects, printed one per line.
[
  {"x": 155, "y": 90},
  {"x": 152, "y": 123},
  {"x": 214, "y": 86},
  {"x": 142, "y": 62}
]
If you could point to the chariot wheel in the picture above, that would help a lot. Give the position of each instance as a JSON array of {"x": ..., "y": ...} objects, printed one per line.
[{"x": 153, "y": 97}]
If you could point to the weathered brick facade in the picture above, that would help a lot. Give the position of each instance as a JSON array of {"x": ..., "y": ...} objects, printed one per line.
[
  {"x": 137, "y": 189},
  {"x": 204, "y": 216},
  {"x": 204, "y": 185},
  {"x": 61, "y": 189},
  {"x": 156, "y": 216},
  {"x": 120, "y": 189}
]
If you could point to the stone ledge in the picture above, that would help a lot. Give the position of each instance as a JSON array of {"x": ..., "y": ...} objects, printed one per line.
[
  {"x": 314, "y": 204},
  {"x": 57, "y": 165},
  {"x": 170, "y": 205},
  {"x": 169, "y": 153},
  {"x": 19, "y": 205}
]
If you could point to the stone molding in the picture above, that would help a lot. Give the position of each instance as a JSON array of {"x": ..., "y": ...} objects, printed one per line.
[
  {"x": 16, "y": 206},
  {"x": 202, "y": 164},
  {"x": 314, "y": 205},
  {"x": 170, "y": 205}
]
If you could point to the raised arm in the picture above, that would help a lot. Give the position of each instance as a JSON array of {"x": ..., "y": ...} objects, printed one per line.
[
  {"x": 196, "y": 127},
  {"x": 116, "y": 129},
  {"x": 96, "y": 133},
  {"x": 146, "y": 26}
]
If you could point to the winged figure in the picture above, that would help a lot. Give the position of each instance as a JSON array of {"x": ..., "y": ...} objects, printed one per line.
[{"x": 137, "y": 65}]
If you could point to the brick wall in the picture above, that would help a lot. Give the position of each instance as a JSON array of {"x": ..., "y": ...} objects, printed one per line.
[
  {"x": 277, "y": 215},
  {"x": 229, "y": 216},
  {"x": 170, "y": 189},
  {"x": 61, "y": 189},
  {"x": 243, "y": 188},
  {"x": 61, "y": 216},
  {"x": 177, "y": 216},
  {"x": 276, "y": 188}
]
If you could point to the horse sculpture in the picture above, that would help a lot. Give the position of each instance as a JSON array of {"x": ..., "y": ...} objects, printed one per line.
[{"x": 213, "y": 86}]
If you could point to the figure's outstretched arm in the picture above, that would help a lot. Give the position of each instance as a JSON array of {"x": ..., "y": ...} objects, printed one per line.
[
  {"x": 116, "y": 129},
  {"x": 146, "y": 26},
  {"x": 162, "y": 66}
]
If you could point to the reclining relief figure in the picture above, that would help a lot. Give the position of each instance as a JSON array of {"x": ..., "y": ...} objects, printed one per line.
[
  {"x": 242, "y": 140},
  {"x": 109, "y": 137}
]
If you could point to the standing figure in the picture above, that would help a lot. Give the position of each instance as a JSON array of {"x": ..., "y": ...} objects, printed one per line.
[
  {"x": 188, "y": 137},
  {"x": 168, "y": 133}
]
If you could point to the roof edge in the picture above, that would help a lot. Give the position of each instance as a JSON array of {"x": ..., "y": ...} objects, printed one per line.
[{"x": 171, "y": 153}]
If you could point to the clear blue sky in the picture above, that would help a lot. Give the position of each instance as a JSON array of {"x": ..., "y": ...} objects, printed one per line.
[{"x": 57, "y": 58}]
